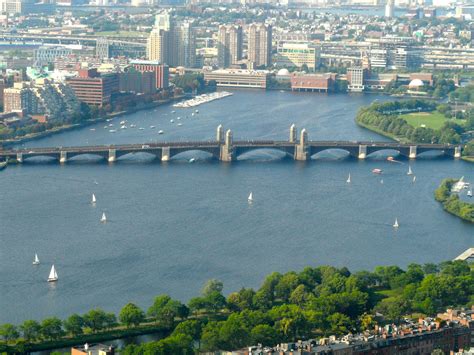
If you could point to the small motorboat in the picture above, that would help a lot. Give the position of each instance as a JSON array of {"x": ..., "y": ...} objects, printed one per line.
[
  {"x": 152, "y": 127},
  {"x": 377, "y": 171},
  {"x": 161, "y": 131}
]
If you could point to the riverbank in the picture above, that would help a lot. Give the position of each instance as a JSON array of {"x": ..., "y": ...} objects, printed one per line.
[
  {"x": 118, "y": 333},
  {"x": 452, "y": 203},
  {"x": 65, "y": 128},
  {"x": 385, "y": 119}
]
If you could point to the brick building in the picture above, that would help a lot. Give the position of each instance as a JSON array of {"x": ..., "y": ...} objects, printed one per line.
[
  {"x": 92, "y": 88},
  {"x": 161, "y": 71},
  {"x": 313, "y": 82}
]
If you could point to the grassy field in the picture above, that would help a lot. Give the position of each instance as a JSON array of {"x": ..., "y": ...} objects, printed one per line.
[{"x": 434, "y": 120}]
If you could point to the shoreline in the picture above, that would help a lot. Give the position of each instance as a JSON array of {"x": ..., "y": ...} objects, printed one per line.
[{"x": 66, "y": 128}]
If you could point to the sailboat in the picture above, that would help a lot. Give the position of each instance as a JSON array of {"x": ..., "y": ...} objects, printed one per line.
[
  {"x": 395, "y": 225},
  {"x": 414, "y": 178},
  {"x": 381, "y": 181},
  {"x": 349, "y": 179},
  {"x": 410, "y": 172},
  {"x": 53, "y": 275},
  {"x": 250, "y": 199},
  {"x": 94, "y": 200},
  {"x": 103, "y": 219},
  {"x": 469, "y": 192},
  {"x": 37, "y": 260}
]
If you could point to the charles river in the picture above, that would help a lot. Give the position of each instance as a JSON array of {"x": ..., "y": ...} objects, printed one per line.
[{"x": 173, "y": 226}]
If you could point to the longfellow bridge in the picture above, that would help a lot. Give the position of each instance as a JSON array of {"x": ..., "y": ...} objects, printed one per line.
[{"x": 225, "y": 148}]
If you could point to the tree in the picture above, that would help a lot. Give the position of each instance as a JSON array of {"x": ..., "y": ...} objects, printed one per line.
[
  {"x": 31, "y": 330},
  {"x": 211, "y": 286},
  {"x": 165, "y": 310},
  {"x": 51, "y": 328},
  {"x": 131, "y": 314},
  {"x": 73, "y": 325},
  {"x": 233, "y": 333},
  {"x": 192, "y": 328},
  {"x": 9, "y": 332},
  {"x": 96, "y": 319},
  {"x": 210, "y": 336},
  {"x": 264, "y": 334}
]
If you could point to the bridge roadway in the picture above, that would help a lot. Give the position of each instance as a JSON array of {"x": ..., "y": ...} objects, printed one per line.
[{"x": 225, "y": 149}]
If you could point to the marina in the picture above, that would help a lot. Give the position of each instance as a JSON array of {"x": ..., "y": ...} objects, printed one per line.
[{"x": 202, "y": 99}]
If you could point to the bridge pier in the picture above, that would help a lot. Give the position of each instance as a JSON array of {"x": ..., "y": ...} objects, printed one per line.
[
  {"x": 457, "y": 152},
  {"x": 220, "y": 134},
  {"x": 362, "y": 151},
  {"x": 226, "y": 150},
  {"x": 165, "y": 154},
  {"x": 413, "y": 152},
  {"x": 293, "y": 133},
  {"x": 112, "y": 155},
  {"x": 301, "y": 149},
  {"x": 19, "y": 158},
  {"x": 63, "y": 157}
]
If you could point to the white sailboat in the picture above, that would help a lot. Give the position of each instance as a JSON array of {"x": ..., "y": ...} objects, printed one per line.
[
  {"x": 94, "y": 200},
  {"x": 103, "y": 219},
  {"x": 37, "y": 260},
  {"x": 410, "y": 172},
  {"x": 250, "y": 199},
  {"x": 349, "y": 179},
  {"x": 469, "y": 192},
  {"x": 414, "y": 178},
  {"x": 381, "y": 181},
  {"x": 53, "y": 275},
  {"x": 395, "y": 225}
]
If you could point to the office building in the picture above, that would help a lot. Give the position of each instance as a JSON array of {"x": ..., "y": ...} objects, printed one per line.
[
  {"x": 172, "y": 43},
  {"x": 92, "y": 88},
  {"x": 160, "y": 70},
  {"x": 260, "y": 45},
  {"x": 313, "y": 82},
  {"x": 356, "y": 78},
  {"x": 297, "y": 55},
  {"x": 229, "y": 45},
  {"x": 389, "y": 9},
  {"x": 239, "y": 78}
]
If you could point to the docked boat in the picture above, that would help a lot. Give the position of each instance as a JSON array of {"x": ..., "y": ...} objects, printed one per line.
[
  {"x": 94, "y": 200},
  {"x": 3, "y": 165},
  {"x": 103, "y": 219},
  {"x": 250, "y": 198},
  {"x": 410, "y": 172},
  {"x": 349, "y": 179},
  {"x": 377, "y": 171},
  {"x": 53, "y": 275},
  {"x": 36, "y": 261},
  {"x": 396, "y": 225}
]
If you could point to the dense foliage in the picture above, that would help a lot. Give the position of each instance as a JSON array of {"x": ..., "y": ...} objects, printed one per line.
[
  {"x": 384, "y": 118},
  {"x": 452, "y": 203},
  {"x": 316, "y": 301}
]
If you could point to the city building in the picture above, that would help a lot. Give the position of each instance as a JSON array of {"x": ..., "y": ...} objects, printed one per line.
[
  {"x": 313, "y": 82},
  {"x": 93, "y": 349},
  {"x": 43, "y": 100},
  {"x": 161, "y": 71},
  {"x": 297, "y": 55},
  {"x": 356, "y": 77},
  {"x": 110, "y": 48},
  {"x": 260, "y": 45},
  {"x": 157, "y": 46},
  {"x": 132, "y": 80},
  {"x": 172, "y": 43},
  {"x": 92, "y": 88},
  {"x": 25, "y": 7},
  {"x": 239, "y": 78},
  {"x": 229, "y": 45},
  {"x": 389, "y": 9},
  {"x": 45, "y": 55}
]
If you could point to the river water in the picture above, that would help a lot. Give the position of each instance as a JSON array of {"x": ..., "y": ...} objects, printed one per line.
[{"x": 173, "y": 226}]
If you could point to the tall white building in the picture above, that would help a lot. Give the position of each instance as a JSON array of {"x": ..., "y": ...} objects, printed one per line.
[{"x": 389, "y": 11}]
